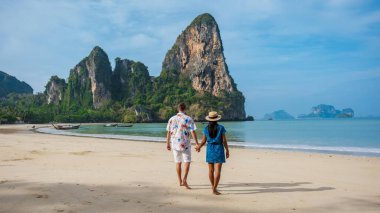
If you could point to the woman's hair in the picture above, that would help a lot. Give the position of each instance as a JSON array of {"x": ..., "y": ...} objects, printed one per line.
[{"x": 213, "y": 128}]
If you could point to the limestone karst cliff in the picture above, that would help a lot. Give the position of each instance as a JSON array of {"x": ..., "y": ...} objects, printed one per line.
[
  {"x": 54, "y": 90},
  {"x": 198, "y": 54},
  {"x": 89, "y": 82}
]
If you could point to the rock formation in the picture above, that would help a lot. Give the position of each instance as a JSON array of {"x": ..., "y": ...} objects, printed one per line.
[
  {"x": 278, "y": 115},
  {"x": 198, "y": 54},
  {"x": 90, "y": 81},
  {"x": 194, "y": 71},
  {"x": 55, "y": 89},
  {"x": 130, "y": 80},
  {"x": 328, "y": 111},
  {"x": 10, "y": 84}
]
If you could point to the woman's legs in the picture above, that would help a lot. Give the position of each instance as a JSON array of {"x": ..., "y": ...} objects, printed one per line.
[
  {"x": 211, "y": 173},
  {"x": 217, "y": 172}
]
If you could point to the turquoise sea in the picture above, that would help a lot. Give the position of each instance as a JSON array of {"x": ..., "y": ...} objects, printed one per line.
[{"x": 338, "y": 136}]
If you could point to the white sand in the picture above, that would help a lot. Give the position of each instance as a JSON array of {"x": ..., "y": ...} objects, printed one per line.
[{"x": 51, "y": 173}]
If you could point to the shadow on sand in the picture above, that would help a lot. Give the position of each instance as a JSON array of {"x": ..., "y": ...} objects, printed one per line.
[{"x": 256, "y": 188}]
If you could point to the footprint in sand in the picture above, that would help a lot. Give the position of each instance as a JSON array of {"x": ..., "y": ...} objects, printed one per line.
[
  {"x": 18, "y": 159},
  {"x": 35, "y": 152},
  {"x": 42, "y": 196},
  {"x": 3, "y": 181},
  {"x": 87, "y": 202},
  {"x": 58, "y": 209},
  {"x": 81, "y": 153}
]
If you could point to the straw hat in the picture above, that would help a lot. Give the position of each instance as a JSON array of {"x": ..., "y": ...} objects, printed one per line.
[{"x": 213, "y": 116}]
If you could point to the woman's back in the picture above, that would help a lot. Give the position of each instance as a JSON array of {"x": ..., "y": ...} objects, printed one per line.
[{"x": 214, "y": 133}]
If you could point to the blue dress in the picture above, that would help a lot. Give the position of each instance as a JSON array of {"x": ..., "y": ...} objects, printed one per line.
[{"x": 215, "y": 148}]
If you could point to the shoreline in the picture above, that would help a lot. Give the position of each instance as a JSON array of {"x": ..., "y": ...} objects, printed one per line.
[
  {"x": 351, "y": 151},
  {"x": 51, "y": 173}
]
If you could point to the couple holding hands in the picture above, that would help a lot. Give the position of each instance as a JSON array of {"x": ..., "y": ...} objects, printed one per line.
[{"x": 179, "y": 128}]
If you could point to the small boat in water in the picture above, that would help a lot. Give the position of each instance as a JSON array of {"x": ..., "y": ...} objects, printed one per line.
[
  {"x": 65, "y": 127},
  {"x": 110, "y": 125},
  {"x": 124, "y": 125}
]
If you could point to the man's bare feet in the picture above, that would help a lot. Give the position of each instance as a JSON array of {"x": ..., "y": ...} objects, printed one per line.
[
  {"x": 215, "y": 192},
  {"x": 186, "y": 185}
]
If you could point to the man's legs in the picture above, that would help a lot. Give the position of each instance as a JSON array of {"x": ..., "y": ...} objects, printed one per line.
[
  {"x": 179, "y": 172},
  {"x": 184, "y": 181}
]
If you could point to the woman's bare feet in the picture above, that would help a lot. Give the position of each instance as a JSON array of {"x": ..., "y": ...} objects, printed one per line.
[
  {"x": 186, "y": 185},
  {"x": 215, "y": 192}
]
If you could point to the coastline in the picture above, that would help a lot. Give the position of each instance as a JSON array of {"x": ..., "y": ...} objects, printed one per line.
[
  {"x": 354, "y": 151},
  {"x": 54, "y": 173}
]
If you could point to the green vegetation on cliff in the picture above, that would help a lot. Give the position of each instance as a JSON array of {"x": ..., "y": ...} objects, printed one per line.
[{"x": 10, "y": 84}]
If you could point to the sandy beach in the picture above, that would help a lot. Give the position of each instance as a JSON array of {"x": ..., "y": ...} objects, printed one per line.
[{"x": 52, "y": 173}]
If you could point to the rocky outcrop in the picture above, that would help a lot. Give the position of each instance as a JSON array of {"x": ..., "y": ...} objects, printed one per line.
[
  {"x": 54, "y": 90},
  {"x": 10, "y": 84},
  {"x": 328, "y": 111},
  {"x": 278, "y": 115},
  {"x": 130, "y": 80},
  {"x": 198, "y": 54},
  {"x": 90, "y": 81}
]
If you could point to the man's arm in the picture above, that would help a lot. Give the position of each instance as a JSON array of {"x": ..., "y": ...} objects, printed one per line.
[
  {"x": 168, "y": 141},
  {"x": 194, "y": 134}
]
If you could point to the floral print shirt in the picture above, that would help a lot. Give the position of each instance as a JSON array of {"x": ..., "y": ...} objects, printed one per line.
[{"x": 180, "y": 126}]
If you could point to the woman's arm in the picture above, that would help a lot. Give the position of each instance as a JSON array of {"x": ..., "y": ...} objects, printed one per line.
[
  {"x": 225, "y": 144},
  {"x": 202, "y": 142}
]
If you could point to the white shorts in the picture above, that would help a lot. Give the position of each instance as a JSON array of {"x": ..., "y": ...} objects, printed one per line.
[{"x": 182, "y": 156}]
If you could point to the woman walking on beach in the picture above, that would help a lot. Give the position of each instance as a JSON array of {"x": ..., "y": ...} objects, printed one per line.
[{"x": 215, "y": 136}]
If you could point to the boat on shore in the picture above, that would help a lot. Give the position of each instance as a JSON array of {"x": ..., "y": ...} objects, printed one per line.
[
  {"x": 65, "y": 127},
  {"x": 110, "y": 125},
  {"x": 117, "y": 125},
  {"x": 124, "y": 125}
]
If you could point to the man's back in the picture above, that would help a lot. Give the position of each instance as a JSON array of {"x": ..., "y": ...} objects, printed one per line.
[{"x": 180, "y": 127}]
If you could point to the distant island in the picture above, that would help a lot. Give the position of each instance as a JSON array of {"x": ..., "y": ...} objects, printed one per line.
[
  {"x": 278, "y": 115},
  {"x": 328, "y": 111},
  {"x": 194, "y": 71}
]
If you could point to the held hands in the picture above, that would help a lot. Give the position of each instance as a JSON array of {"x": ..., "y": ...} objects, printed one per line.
[
  {"x": 197, "y": 148},
  {"x": 168, "y": 146}
]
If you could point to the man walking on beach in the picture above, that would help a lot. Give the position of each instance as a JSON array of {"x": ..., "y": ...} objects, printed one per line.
[{"x": 179, "y": 128}]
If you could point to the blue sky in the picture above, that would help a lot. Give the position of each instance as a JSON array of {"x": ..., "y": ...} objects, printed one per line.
[{"x": 288, "y": 55}]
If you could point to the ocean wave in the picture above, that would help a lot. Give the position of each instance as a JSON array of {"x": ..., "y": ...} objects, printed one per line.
[{"x": 322, "y": 149}]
